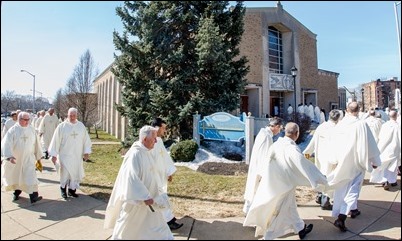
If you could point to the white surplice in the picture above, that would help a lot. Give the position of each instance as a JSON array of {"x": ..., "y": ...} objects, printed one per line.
[
  {"x": 354, "y": 152},
  {"x": 389, "y": 144},
  {"x": 166, "y": 168},
  {"x": 259, "y": 153},
  {"x": 274, "y": 209},
  {"x": 321, "y": 145},
  {"x": 126, "y": 211},
  {"x": 23, "y": 144},
  {"x": 9, "y": 123},
  {"x": 69, "y": 143},
  {"x": 47, "y": 127}
]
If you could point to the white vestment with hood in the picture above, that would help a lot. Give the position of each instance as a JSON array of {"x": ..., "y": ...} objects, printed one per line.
[
  {"x": 166, "y": 168},
  {"x": 259, "y": 153},
  {"x": 354, "y": 152},
  {"x": 126, "y": 211},
  {"x": 274, "y": 209},
  {"x": 389, "y": 145},
  {"x": 23, "y": 144},
  {"x": 69, "y": 143}
]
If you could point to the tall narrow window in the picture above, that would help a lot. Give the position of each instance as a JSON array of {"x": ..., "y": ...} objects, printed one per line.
[{"x": 275, "y": 56}]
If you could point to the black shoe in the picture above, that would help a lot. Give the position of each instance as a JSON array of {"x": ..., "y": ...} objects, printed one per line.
[
  {"x": 72, "y": 193},
  {"x": 16, "y": 195},
  {"x": 394, "y": 184},
  {"x": 63, "y": 192},
  {"x": 38, "y": 198},
  {"x": 328, "y": 207},
  {"x": 341, "y": 225},
  {"x": 318, "y": 198},
  {"x": 35, "y": 197},
  {"x": 354, "y": 213},
  {"x": 305, "y": 231},
  {"x": 174, "y": 225},
  {"x": 386, "y": 185}
]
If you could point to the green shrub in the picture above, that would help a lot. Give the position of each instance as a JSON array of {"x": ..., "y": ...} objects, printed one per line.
[{"x": 184, "y": 151}]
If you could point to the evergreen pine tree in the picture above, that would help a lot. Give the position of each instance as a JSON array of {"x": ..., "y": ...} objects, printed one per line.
[{"x": 177, "y": 58}]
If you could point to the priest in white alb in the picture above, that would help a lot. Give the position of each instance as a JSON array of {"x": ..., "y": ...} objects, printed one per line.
[
  {"x": 389, "y": 144},
  {"x": 20, "y": 148},
  {"x": 166, "y": 168},
  {"x": 320, "y": 144},
  {"x": 374, "y": 124},
  {"x": 259, "y": 153},
  {"x": 46, "y": 129},
  {"x": 354, "y": 152},
  {"x": 135, "y": 208},
  {"x": 9, "y": 123},
  {"x": 274, "y": 210},
  {"x": 70, "y": 146}
]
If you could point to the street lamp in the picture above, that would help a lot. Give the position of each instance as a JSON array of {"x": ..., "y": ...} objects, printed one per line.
[
  {"x": 293, "y": 71},
  {"x": 33, "y": 92},
  {"x": 363, "y": 98}
]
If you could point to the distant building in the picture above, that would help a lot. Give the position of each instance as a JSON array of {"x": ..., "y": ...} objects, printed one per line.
[
  {"x": 109, "y": 93},
  {"x": 342, "y": 98},
  {"x": 379, "y": 93},
  {"x": 274, "y": 41}
]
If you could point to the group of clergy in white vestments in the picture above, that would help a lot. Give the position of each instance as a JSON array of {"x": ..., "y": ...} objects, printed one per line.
[
  {"x": 67, "y": 143},
  {"x": 345, "y": 148},
  {"x": 316, "y": 114}
]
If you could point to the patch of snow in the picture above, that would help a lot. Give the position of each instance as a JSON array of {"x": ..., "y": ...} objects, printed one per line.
[{"x": 213, "y": 151}]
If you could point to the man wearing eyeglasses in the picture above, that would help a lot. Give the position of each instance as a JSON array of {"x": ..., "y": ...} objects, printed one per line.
[{"x": 21, "y": 148}]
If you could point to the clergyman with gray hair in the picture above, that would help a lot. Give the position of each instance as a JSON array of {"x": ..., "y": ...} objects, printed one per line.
[
  {"x": 134, "y": 210},
  {"x": 70, "y": 145}
]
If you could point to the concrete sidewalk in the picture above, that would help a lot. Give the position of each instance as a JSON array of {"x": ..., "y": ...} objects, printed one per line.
[{"x": 82, "y": 218}]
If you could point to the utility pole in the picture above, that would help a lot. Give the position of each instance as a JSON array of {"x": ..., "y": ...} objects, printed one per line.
[{"x": 352, "y": 93}]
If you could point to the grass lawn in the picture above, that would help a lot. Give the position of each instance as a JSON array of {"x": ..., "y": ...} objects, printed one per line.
[{"x": 191, "y": 192}]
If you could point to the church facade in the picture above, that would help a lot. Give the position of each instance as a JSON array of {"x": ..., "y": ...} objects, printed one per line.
[{"x": 273, "y": 41}]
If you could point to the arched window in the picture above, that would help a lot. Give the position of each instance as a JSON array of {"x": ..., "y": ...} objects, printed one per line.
[{"x": 275, "y": 54}]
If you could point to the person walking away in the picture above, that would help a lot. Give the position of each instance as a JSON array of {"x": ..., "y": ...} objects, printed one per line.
[
  {"x": 259, "y": 153},
  {"x": 321, "y": 146},
  {"x": 389, "y": 144},
  {"x": 166, "y": 168},
  {"x": 69, "y": 146},
  {"x": 46, "y": 129},
  {"x": 20, "y": 148},
  {"x": 354, "y": 152},
  {"x": 274, "y": 209},
  {"x": 134, "y": 210},
  {"x": 374, "y": 124}
]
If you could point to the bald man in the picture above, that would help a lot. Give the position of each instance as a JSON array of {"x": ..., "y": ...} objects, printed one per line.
[{"x": 274, "y": 210}]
